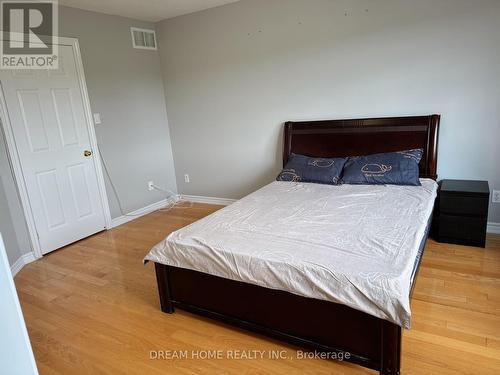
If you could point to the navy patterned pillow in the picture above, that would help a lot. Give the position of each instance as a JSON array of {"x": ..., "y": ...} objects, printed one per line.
[
  {"x": 392, "y": 168},
  {"x": 307, "y": 169}
]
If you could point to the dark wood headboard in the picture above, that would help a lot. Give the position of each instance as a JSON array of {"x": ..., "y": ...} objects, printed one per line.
[{"x": 355, "y": 137}]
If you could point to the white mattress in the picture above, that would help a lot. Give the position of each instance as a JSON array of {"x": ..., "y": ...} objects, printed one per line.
[{"x": 349, "y": 244}]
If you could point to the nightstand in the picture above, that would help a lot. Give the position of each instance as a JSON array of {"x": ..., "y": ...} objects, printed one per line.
[{"x": 463, "y": 212}]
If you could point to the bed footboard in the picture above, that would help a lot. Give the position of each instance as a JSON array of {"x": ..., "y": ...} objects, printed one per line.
[{"x": 313, "y": 324}]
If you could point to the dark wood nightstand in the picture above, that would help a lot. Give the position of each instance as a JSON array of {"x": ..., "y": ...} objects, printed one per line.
[{"x": 463, "y": 212}]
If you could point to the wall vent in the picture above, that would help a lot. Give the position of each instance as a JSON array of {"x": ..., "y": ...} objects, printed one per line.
[{"x": 143, "y": 38}]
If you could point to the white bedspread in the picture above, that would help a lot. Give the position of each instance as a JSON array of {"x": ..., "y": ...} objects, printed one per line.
[{"x": 349, "y": 244}]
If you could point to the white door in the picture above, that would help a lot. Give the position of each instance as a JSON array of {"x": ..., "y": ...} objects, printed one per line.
[{"x": 47, "y": 116}]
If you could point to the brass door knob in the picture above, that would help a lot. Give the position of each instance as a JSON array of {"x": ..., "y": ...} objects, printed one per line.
[{"x": 87, "y": 153}]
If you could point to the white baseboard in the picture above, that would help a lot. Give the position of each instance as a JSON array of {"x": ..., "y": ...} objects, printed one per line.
[
  {"x": 208, "y": 200},
  {"x": 142, "y": 211},
  {"x": 30, "y": 257},
  {"x": 493, "y": 228},
  {"x": 21, "y": 262},
  {"x": 25, "y": 259}
]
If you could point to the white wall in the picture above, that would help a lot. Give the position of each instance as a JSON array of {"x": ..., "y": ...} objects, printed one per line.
[
  {"x": 234, "y": 74},
  {"x": 12, "y": 220},
  {"x": 7, "y": 227},
  {"x": 16, "y": 355}
]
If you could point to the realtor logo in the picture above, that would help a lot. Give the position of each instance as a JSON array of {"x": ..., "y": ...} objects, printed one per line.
[{"x": 29, "y": 35}]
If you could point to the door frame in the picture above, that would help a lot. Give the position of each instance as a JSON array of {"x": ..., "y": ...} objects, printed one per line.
[{"x": 15, "y": 160}]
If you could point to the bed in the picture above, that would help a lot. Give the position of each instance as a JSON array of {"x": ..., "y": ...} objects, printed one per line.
[{"x": 272, "y": 281}]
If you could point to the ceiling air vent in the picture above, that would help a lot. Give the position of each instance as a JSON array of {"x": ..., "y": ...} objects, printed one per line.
[{"x": 143, "y": 38}]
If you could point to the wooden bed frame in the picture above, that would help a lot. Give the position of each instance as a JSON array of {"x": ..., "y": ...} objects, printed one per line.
[{"x": 314, "y": 324}]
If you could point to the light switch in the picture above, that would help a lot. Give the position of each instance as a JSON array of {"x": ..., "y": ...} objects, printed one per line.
[{"x": 97, "y": 118}]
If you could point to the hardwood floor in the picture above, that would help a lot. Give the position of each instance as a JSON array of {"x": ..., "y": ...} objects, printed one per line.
[{"x": 93, "y": 308}]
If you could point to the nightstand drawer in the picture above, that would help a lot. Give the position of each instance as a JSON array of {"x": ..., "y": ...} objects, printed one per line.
[
  {"x": 463, "y": 205},
  {"x": 462, "y": 229}
]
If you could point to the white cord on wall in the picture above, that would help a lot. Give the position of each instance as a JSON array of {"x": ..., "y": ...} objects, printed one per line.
[{"x": 176, "y": 201}]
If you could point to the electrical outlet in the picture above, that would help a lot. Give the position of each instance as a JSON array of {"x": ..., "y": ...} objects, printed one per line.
[
  {"x": 151, "y": 185},
  {"x": 97, "y": 118},
  {"x": 496, "y": 196},
  {"x": 186, "y": 179}
]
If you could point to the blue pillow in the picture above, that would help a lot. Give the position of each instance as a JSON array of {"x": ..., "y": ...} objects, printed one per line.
[
  {"x": 392, "y": 168},
  {"x": 307, "y": 169}
]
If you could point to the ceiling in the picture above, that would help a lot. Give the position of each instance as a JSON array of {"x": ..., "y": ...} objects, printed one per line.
[{"x": 146, "y": 10}]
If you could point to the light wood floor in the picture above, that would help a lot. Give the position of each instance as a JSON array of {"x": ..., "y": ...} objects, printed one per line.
[{"x": 92, "y": 308}]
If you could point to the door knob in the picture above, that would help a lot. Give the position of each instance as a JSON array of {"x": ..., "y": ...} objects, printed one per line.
[{"x": 87, "y": 153}]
